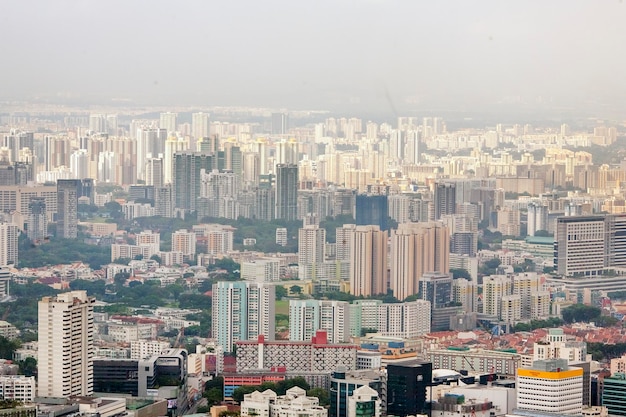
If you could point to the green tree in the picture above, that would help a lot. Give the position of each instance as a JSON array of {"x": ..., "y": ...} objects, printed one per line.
[
  {"x": 243, "y": 390},
  {"x": 295, "y": 289},
  {"x": 460, "y": 273},
  {"x": 281, "y": 292},
  {"x": 320, "y": 393},
  {"x": 580, "y": 313},
  {"x": 28, "y": 367}
]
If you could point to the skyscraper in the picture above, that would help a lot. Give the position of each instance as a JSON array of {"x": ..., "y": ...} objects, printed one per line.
[
  {"x": 200, "y": 126},
  {"x": 417, "y": 248},
  {"x": 154, "y": 172},
  {"x": 67, "y": 208},
  {"x": 186, "y": 182},
  {"x": 286, "y": 192},
  {"x": 444, "y": 199},
  {"x": 37, "y": 226},
  {"x": 372, "y": 210},
  {"x": 368, "y": 261},
  {"x": 280, "y": 123},
  {"x": 168, "y": 121},
  {"x": 311, "y": 251},
  {"x": 406, "y": 387},
  {"x": 65, "y": 359},
  {"x": 242, "y": 311},
  {"x": 8, "y": 244}
]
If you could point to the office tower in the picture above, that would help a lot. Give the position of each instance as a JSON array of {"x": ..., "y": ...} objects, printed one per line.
[
  {"x": 167, "y": 121},
  {"x": 65, "y": 359},
  {"x": 242, "y": 311},
  {"x": 37, "y": 225},
  {"x": 311, "y": 252},
  {"x": 584, "y": 246},
  {"x": 614, "y": 394},
  {"x": 286, "y": 192},
  {"x": 187, "y": 172},
  {"x": 550, "y": 386},
  {"x": 436, "y": 288},
  {"x": 417, "y": 248},
  {"x": 368, "y": 261},
  {"x": 280, "y": 123},
  {"x": 372, "y": 210},
  {"x": 444, "y": 199},
  {"x": 8, "y": 244},
  {"x": 200, "y": 126},
  {"x": 184, "y": 241},
  {"x": 308, "y": 316},
  {"x": 154, "y": 172},
  {"x": 406, "y": 387},
  {"x": 67, "y": 208}
]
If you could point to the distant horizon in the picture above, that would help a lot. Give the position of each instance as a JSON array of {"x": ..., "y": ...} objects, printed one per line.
[{"x": 382, "y": 57}]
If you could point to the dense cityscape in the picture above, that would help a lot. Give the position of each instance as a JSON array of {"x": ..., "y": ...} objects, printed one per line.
[
  {"x": 370, "y": 208},
  {"x": 294, "y": 263}
]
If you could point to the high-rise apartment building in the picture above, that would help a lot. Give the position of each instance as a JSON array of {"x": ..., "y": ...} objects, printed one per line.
[
  {"x": 550, "y": 386},
  {"x": 8, "y": 244},
  {"x": 154, "y": 172},
  {"x": 168, "y": 121},
  {"x": 311, "y": 251},
  {"x": 65, "y": 359},
  {"x": 184, "y": 241},
  {"x": 242, "y": 311},
  {"x": 444, "y": 199},
  {"x": 187, "y": 174},
  {"x": 37, "y": 224},
  {"x": 200, "y": 126},
  {"x": 308, "y": 316},
  {"x": 67, "y": 208},
  {"x": 286, "y": 192},
  {"x": 417, "y": 248},
  {"x": 368, "y": 260},
  {"x": 537, "y": 218}
]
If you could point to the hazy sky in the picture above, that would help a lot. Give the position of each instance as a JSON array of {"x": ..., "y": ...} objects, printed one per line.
[{"x": 371, "y": 54}]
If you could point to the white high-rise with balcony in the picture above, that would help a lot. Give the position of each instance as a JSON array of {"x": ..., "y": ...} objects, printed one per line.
[{"x": 65, "y": 358}]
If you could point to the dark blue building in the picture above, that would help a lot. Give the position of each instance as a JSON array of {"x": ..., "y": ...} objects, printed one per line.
[{"x": 372, "y": 209}]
